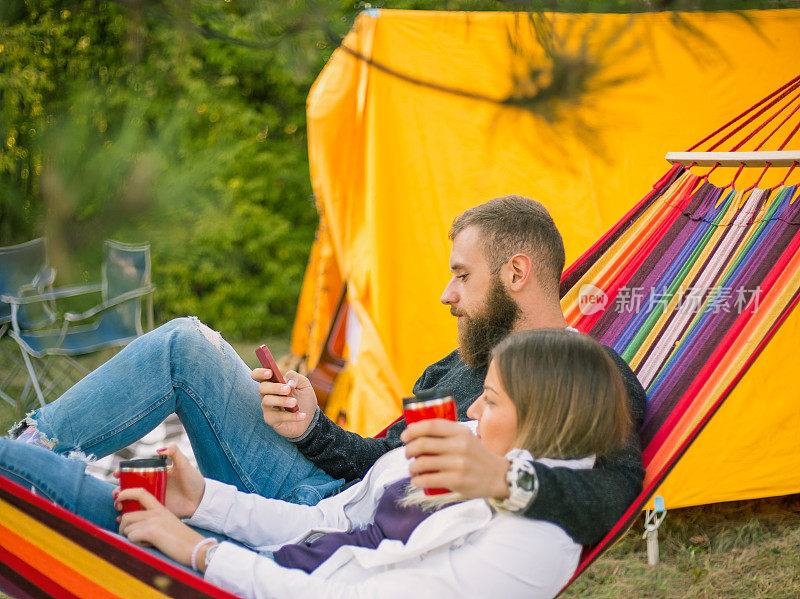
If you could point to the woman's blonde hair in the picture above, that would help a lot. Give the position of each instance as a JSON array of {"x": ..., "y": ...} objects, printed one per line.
[
  {"x": 569, "y": 395},
  {"x": 570, "y": 398}
]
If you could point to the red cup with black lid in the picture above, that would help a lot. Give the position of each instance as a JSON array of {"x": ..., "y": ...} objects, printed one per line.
[
  {"x": 431, "y": 403},
  {"x": 145, "y": 473}
]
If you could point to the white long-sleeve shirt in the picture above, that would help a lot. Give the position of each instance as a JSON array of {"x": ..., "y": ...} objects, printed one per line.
[{"x": 464, "y": 550}]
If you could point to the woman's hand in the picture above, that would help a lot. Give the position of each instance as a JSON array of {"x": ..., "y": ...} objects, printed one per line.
[
  {"x": 447, "y": 455},
  {"x": 157, "y": 526},
  {"x": 185, "y": 484}
]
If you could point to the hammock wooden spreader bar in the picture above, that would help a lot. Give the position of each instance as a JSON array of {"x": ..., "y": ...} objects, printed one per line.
[{"x": 776, "y": 158}]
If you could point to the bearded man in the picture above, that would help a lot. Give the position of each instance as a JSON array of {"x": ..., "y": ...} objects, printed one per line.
[{"x": 506, "y": 260}]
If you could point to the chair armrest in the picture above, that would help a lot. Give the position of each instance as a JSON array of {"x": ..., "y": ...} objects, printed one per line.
[
  {"x": 43, "y": 280},
  {"x": 120, "y": 299},
  {"x": 53, "y": 295}
]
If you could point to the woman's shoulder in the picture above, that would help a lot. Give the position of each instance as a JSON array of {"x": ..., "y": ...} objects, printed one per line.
[{"x": 533, "y": 556}]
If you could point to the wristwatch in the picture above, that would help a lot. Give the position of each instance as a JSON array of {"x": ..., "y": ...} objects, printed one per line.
[{"x": 523, "y": 484}]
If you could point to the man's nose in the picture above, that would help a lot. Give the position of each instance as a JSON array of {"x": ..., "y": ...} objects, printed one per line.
[{"x": 448, "y": 295}]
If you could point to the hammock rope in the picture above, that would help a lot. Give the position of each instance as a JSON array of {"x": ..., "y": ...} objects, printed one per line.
[{"x": 790, "y": 86}]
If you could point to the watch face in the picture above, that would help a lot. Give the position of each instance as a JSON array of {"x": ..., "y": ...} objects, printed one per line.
[{"x": 525, "y": 481}]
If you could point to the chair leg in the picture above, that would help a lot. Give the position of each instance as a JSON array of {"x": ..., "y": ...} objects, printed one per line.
[
  {"x": 76, "y": 365},
  {"x": 5, "y": 396},
  {"x": 150, "y": 312},
  {"x": 32, "y": 373},
  {"x": 9, "y": 377}
]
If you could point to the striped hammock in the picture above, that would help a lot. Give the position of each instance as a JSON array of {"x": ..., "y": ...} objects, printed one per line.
[{"x": 46, "y": 551}]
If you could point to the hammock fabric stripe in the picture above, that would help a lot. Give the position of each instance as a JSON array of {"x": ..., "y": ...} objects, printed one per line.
[
  {"x": 59, "y": 574},
  {"x": 656, "y": 475},
  {"x": 704, "y": 337},
  {"x": 785, "y": 276},
  {"x": 690, "y": 356},
  {"x": 17, "y": 578},
  {"x": 606, "y": 327},
  {"x": 688, "y": 237},
  {"x": 47, "y": 551},
  {"x": 578, "y": 268},
  {"x": 684, "y": 343}
]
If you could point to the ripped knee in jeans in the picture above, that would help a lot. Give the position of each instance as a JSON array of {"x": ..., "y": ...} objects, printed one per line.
[
  {"x": 213, "y": 337},
  {"x": 26, "y": 431}
]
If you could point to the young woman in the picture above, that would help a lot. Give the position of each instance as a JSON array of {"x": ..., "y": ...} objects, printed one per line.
[{"x": 553, "y": 393}]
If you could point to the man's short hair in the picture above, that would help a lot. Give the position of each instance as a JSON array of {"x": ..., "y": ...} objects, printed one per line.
[{"x": 514, "y": 224}]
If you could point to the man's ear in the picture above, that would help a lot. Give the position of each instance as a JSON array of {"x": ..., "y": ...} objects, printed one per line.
[{"x": 519, "y": 269}]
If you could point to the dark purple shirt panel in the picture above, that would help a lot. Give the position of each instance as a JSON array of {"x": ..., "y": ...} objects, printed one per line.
[{"x": 392, "y": 521}]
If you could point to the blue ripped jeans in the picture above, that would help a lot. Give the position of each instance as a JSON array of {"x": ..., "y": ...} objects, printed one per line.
[{"x": 186, "y": 368}]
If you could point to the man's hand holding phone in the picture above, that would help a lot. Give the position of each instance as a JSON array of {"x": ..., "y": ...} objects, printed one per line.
[{"x": 289, "y": 406}]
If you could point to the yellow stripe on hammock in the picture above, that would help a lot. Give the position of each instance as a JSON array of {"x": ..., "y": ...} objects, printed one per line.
[{"x": 65, "y": 562}]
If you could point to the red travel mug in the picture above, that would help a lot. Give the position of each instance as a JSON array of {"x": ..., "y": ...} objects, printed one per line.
[
  {"x": 433, "y": 403},
  {"x": 146, "y": 473}
]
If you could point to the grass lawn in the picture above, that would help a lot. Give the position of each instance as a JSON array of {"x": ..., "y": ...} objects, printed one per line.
[{"x": 736, "y": 549}]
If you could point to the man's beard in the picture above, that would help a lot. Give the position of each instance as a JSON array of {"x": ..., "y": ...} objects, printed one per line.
[{"x": 478, "y": 334}]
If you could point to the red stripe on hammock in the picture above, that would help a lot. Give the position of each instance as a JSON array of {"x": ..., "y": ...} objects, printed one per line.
[
  {"x": 34, "y": 576},
  {"x": 614, "y": 232},
  {"x": 585, "y": 324}
]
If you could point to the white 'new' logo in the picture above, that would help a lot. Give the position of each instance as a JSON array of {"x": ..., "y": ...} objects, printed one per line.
[{"x": 591, "y": 300}]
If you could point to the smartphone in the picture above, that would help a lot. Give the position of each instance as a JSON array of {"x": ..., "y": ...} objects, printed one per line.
[{"x": 267, "y": 361}]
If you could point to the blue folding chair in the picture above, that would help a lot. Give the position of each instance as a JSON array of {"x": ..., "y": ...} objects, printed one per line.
[
  {"x": 24, "y": 271},
  {"x": 113, "y": 323}
]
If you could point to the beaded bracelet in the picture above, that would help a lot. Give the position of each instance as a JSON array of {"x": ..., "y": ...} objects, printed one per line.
[{"x": 197, "y": 547}]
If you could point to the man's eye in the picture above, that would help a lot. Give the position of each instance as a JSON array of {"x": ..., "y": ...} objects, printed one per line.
[{"x": 462, "y": 277}]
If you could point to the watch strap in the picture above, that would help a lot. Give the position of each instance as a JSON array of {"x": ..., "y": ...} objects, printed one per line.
[{"x": 523, "y": 482}]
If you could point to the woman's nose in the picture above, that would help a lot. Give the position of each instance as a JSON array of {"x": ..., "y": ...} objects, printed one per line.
[{"x": 474, "y": 411}]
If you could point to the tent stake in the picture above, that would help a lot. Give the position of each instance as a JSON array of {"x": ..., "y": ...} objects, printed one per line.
[{"x": 652, "y": 520}]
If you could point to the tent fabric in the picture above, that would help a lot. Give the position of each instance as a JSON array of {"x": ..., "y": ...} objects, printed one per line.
[
  {"x": 416, "y": 118},
  {"x": 46, "y": 551}
]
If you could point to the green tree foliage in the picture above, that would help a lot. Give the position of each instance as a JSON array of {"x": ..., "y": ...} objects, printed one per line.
[
  {"x": 182, "y": 123},
  {"x": 144, "y": 122}
]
